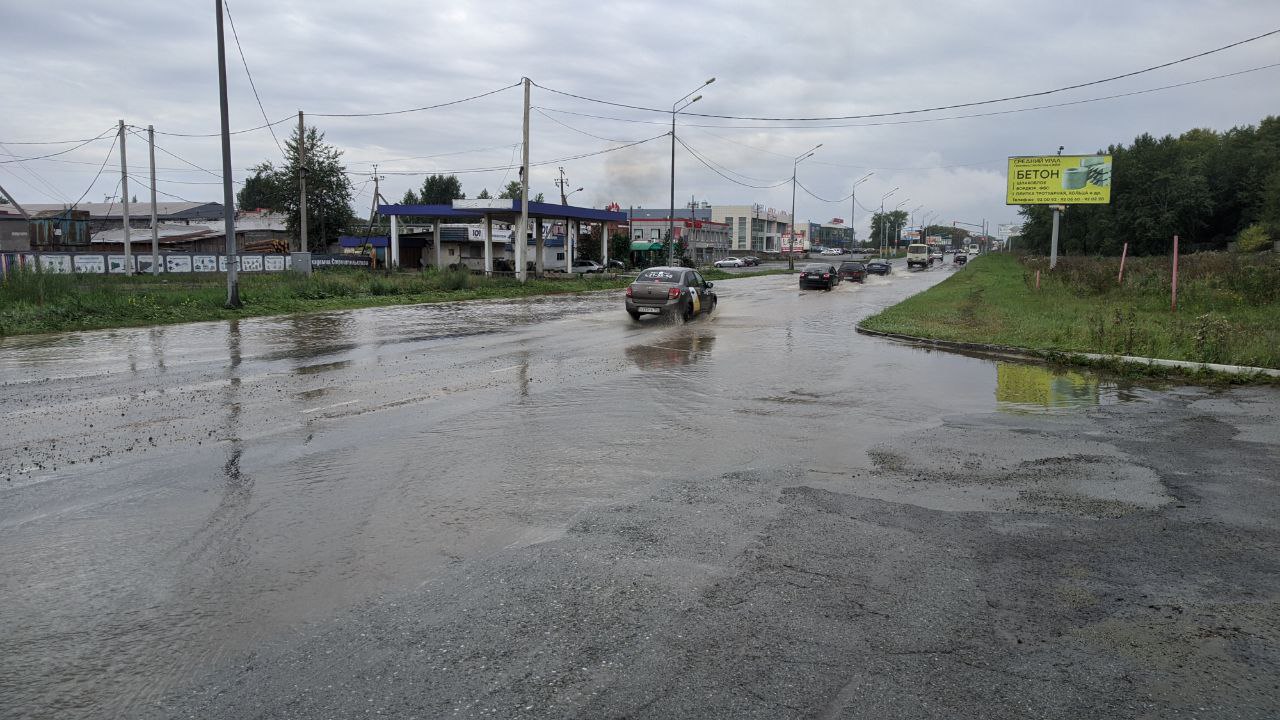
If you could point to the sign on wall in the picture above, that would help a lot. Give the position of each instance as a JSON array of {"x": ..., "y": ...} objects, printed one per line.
[{"x": 1059, "y": 180}]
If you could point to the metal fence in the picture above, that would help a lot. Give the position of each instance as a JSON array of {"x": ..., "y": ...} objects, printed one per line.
[{"x": 170, "y": 263}]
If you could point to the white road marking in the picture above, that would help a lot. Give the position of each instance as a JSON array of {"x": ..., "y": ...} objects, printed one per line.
[
  {"x": 505, "y": 369},
  {"x": 328, "y": 407}
]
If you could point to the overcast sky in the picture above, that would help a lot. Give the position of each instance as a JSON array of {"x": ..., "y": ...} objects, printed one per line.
[{"x": 72, "y": 69}]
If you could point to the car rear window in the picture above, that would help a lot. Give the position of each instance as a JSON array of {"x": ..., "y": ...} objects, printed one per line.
[
  {"x": 851, "y": 266},
  {"x": 916, "y": 249},
  {"x": 816, "y": 268},
  {"x": 659, "y": 276}
]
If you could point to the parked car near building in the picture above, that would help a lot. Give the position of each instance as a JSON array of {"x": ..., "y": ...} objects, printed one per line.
[
  {"x": 818, "y": 275},
  {"x": 729, "y": 262},
  {"x": 586, "y": 266},
  {"x": 676, "y": 291}
]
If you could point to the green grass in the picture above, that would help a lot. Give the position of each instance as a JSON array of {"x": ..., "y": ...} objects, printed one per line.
[
  {"x": 1228, "y": 307},
  {"x": 35, "y": 302},
  {"x": 715, "y": 273}
]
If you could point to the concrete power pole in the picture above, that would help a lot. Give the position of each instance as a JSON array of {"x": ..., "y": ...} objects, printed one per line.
[
  {"x": 155, "y": 229},
  {"x": 522, "y": 242},
  {"x": 14, "y": 202},
  {"x": 124, "y": 203},
  {"x": 302, "y": 183},
  {"x": 228, "y": 196}
]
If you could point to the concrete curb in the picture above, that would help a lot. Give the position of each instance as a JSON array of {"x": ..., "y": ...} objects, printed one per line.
[{"x": 1043, "y": 355}]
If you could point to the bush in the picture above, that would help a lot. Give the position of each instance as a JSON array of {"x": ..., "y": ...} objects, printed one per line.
[
  {"x": 455, "y": 279},
  {"x": 1253, "y": 239}
]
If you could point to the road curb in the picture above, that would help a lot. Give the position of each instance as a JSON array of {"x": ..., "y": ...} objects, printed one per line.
[{"x": 1048, "y": 355}]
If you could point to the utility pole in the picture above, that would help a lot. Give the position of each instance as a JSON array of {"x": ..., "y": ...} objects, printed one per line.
[
  {"x": 228, "y": 198},
  {"x": 124, "y": 202},
  {"x": 155, "y": 229},
  {"x": 564, "y": 199},
  {"x": 522, "y": 243},
  {"x": 302, "y": 183}
]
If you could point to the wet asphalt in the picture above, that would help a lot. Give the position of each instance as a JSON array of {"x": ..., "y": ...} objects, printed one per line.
[{"x": 541, "y": 509}]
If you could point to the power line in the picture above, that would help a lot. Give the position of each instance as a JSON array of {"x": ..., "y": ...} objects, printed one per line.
[
  {"x": 144, "y": 184},
  {"x": 953, "y": 106},
  {"x": 218, "y": 134},
  {"x": 102, "y": 135},
  {"x": 713, "y": 169},
  {"x": 724, "y": 167},
  {"x": 429, "y": 157},
  {"x": 496, "y": 168},
  {"x": 94, "y": 181},
  {"x": 253, "y": 87},
  {"x": 417, "y": 109},
  {"x": 930, "y": 120},
  {"x": 818, "y": 197},
  {"x": 583, "y": 132}
]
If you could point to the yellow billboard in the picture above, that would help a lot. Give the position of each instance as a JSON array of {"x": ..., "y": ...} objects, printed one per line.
[{"x": 1059, "y": 180}]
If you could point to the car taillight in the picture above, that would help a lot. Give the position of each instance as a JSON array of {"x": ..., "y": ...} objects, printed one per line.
[
  {"x": 629, "y": 292},
  {"x": 673, "y": 293},
  {"x": 826, "y": 275}
]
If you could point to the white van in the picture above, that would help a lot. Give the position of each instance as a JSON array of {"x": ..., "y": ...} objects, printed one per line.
[{"x": 918, "y": 254}]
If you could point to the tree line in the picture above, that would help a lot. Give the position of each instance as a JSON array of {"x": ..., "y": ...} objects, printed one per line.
[{"x": 1206, "y": 187}]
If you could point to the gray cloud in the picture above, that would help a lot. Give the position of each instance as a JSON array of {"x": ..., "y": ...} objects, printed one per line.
[{"x": 74, "y": 68}]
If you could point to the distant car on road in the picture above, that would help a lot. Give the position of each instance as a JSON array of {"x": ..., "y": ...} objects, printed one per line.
[
  {"x": 935, "y": 255},
  {"x": 879, "y": 267},
  {"x": 615, "y": 264},
  {"x": 853, "y": 270},
  {"x": 675, "y": 291},
  {"x": 729, "y": 262},
  {"x": 960, "y": 259},
  {"x": 586, "y": 266},
  {"x": 819, "y": 275},
  {"x": 750, "y": 260}
]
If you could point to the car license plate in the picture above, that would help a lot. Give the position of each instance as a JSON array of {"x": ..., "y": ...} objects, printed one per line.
[{"x": 648, "y": 309}]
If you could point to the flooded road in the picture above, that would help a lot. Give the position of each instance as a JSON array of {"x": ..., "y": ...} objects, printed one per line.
[{"x": 539, "y": 508}]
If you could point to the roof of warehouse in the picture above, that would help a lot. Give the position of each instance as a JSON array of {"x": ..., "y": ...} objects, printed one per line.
[{"x": 501, "y": 207}]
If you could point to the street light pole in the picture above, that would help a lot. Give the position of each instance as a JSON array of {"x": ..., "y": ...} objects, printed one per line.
[
  {"x": 883, "y": 243},
  {"x": 791, "y": 262},
  {"x": 853, "y": 208},
  {"x": 671, "y": 219}
]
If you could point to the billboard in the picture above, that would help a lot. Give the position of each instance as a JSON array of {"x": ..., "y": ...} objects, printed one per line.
[{"x": 1059, "y": 180}]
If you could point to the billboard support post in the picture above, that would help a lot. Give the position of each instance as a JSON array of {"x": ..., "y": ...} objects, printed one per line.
[
  {"x": 1053, "y": 241},
  {"x": 1124, "y": 252},
  {"x": 1174, "y": 298}
]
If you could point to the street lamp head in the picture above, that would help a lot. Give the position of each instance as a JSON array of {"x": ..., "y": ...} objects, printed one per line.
[
  {"x": 695, "y": 99},
  {"x": 709, "y": 81}
]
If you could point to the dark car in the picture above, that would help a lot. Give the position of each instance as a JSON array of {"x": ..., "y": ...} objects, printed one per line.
[
  {"x": 677, "y": 291},
  {"x": 751, "y": 260},
  {"x": 960, "y": 259},
  {"x": 853, "y": 270},
  {"x": 615, "y": 265},
  {"x": 879, "y": 267},
  {"x": 818, "y": 275}
]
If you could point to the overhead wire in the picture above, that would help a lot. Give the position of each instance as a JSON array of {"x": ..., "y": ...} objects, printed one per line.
[
  {"x": 252, "y": 86},
  {"x": 418, "y": 109},
  {"x": 953, "y": 106},
  {"x": 100, "y": 136},
  {"x": 815, "y": 196},
  {"x": 577, "y": 130},
  {"x": 716, "y": 170},
  {"x": 914, "y": 121},
  {"x": 496, "y": 168},
  {"x": 143, "y": 182},
  {"x": 97, "y": 175}
]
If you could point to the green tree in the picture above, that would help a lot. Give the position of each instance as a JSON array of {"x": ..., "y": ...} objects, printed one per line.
[
  {"x": 261, "y": 190},
  {"x": 409, "y": 198},
  {"x": 441, "y": 190},
  {"x": 512, "y": 192},
  {"x": 328, "y": 188},
  {"x": 887, "y": 224},
  {"x": 484, "y": 195}
]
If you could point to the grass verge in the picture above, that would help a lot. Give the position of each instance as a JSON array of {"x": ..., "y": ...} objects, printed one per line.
[
  {"x": 35, "y": 302},
  {"x": 1228, "y": 308}
]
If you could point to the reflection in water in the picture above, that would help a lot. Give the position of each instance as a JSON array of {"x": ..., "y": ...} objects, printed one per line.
[
  {"x": 1026, "y": 388},
  {"x": 671, "y": 352}
]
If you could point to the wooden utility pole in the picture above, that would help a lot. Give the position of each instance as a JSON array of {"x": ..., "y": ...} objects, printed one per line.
[
  {"x": 522, "y": 242},
  {"x": 228, "y": 196}
]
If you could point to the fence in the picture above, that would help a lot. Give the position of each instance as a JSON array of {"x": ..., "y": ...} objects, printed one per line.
[{"x": 170, "y": 263}]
